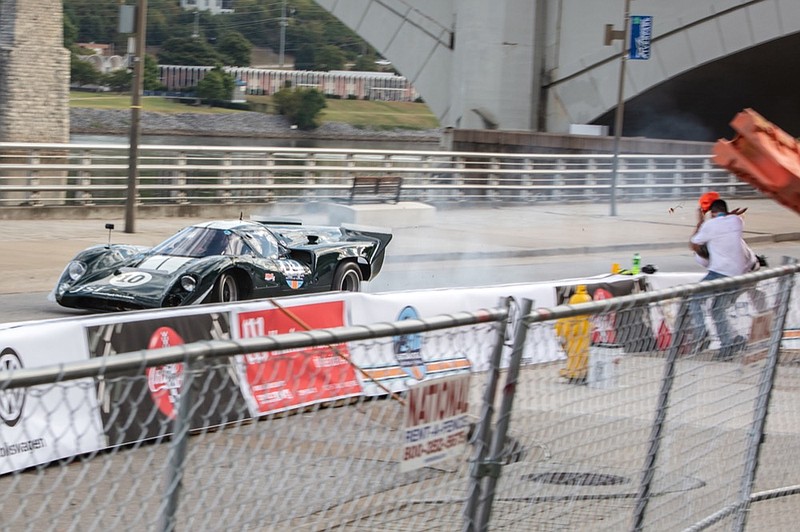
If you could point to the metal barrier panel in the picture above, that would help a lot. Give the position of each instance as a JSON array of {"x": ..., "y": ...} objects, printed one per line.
[
  {"x": 648, "y": 423},
  {"x": 327, "y": 465}
]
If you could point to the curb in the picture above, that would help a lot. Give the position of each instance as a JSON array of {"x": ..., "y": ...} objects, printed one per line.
[{"x": 578, "y": 250}]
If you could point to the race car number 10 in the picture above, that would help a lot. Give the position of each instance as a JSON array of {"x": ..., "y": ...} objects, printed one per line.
[{"x": 130, "y": 279}]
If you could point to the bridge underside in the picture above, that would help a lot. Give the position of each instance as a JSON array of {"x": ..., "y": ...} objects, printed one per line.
[{"x": 699, "y": 104}]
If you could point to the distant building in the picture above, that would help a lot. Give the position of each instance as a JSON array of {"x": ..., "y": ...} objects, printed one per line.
[
  {"x": 103, "y": 59},
  {"x": 215, "y": 6},
  {"x": 99, "y": 49}
]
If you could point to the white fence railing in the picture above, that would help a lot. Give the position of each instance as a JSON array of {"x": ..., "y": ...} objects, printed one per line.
[{"x": 97, "y": 174}]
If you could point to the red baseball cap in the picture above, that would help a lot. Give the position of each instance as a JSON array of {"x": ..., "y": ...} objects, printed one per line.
[{"x": 707, "y": 199}]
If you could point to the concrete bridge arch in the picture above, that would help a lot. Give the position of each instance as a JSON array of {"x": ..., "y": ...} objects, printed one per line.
[{"x": 540, "y": 65}]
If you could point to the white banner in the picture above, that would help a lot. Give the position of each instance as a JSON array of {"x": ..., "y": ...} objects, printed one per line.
[{"x": 46, "y": 422}]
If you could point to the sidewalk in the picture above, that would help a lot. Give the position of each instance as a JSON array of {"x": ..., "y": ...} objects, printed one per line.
[{"x": 35, "y": 251}]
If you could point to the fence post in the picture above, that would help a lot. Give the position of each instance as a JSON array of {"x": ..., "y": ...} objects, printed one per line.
[
  {"x": 86, "y": 178},
  {"x": 649, "y": 468},
  {"x": 34, "y": 196},
  {"x": 765, "y": 385},
  {"x": 491, "y": 467},
  {"x": 180, "y": 179},
  {"x": 651, "y": 178},
  {"x": 177, "y": 452},
  {"x": 226, "y": 178},
  {"x": 483, "y": 431},
  {"x": 591, "y": 179},
  {"x": 678, "y": 180},
  {"x": 309, "y": 177}
]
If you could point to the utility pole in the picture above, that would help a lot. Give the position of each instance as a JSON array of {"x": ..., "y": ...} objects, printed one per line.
[
  {"x": 283, "y": 31},
  {"x": 136, "y": 108},
  {"x": 610, "y": 36}
]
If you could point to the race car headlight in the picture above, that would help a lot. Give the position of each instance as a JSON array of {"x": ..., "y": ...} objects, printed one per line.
[
  {"x": 188, "y": 283},
  {"x": 76, "y": 269}
]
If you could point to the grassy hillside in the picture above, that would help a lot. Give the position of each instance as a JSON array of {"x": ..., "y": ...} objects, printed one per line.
[{"x": 360, "y": 113}]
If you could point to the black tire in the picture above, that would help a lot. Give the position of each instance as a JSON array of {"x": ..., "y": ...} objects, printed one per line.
[
  {"x": 347, "y": 278},
  {"x": 225, "y": 290}
]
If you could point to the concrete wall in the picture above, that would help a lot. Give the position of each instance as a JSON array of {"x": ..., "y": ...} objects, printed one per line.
[
  {"x": 687, "y": 34},
  {"x": 542, "y": 65},
  {"x": 482, "y": 141},
  {"x": 34, "y": 72}
]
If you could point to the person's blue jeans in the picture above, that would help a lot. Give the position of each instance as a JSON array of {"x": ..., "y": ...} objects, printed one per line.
[{"x": 719, "y": 308}]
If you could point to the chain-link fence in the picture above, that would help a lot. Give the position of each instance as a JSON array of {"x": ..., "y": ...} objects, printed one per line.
[{"x": 652, "y": 420}]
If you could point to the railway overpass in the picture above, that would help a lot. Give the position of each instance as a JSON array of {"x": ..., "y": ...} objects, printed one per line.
[{"x": 541, "y": 65}]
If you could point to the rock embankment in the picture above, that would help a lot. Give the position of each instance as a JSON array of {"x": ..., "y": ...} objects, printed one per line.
[{"x": 241, "y": 124}]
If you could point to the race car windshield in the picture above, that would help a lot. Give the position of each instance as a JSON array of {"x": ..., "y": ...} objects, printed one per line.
[{"x": 201, "y": 242}]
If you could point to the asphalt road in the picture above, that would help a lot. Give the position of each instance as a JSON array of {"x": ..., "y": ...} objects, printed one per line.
[{"x": 404, "y": 275}]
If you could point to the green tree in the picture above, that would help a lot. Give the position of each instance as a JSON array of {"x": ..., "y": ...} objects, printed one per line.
[
  {"x": 82, "y": 72},
  {"x": 235, "y": 49},
  {"x": 119, "y": 80},
  {"x": 70, "y": 32},
  {"x": 301, "y": 106},
  {"x": 258, "y": 21},
  {"x": 305, "y": 57},
  {"x": 216, "y": 85},
  {"x": 187, "y": 51},
  {"x": 365, "y": 63},
  {"x": 328, "y": 57},
  {"x": 152, "y": 78}
]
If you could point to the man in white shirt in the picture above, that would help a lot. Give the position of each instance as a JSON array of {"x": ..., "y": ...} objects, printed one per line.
[{"x": 721, "y": 235}]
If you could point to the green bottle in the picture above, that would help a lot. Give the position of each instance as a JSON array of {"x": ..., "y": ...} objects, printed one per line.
[{"x": 637, "y": 264}]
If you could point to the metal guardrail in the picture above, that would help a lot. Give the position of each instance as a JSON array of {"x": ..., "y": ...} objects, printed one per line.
[{"x": 34, "y": 174}]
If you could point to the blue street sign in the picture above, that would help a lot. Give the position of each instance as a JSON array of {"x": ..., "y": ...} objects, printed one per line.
[{"x": 641, "y": 30}]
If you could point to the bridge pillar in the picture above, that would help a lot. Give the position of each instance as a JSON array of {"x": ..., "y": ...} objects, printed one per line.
[{"x": 34, "y": 87}]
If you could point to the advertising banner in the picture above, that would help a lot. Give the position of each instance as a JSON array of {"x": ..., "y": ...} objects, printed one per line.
[
  {"x": 436, "y": 422},
  {"x": 641, "y": 35},
  {"x": 404, "y": 360},
  {"x": 48, "y": 422},
  {"x": 143, "y": 404},
  {"x": 277, "y": 381},
  {"x": 401, "y": 361}
]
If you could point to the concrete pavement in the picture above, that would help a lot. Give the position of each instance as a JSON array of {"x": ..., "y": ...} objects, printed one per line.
[{"x": 35, "y": 251}]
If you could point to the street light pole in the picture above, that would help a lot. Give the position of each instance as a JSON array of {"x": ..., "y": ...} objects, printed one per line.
[
  {"x": 136, "y": 108},
  {"x": 612, "y": 35}
]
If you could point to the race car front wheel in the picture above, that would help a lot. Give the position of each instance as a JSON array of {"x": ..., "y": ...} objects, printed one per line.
[
  {"x": 225, "y": 290},
  {"x": 347, "y": 278}
]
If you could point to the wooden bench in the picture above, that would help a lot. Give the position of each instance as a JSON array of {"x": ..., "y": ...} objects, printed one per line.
[{"x": 383, "y": 189}]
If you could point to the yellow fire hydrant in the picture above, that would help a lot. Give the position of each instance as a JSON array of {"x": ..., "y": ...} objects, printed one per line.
[{"x": 575, "y": 336}]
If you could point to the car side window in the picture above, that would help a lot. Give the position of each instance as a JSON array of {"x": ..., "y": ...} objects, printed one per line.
[
  {"x": 236, "y": 246},
  {"x": 262, "y": 242}
]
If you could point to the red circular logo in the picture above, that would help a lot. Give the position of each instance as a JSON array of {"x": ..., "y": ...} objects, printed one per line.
[{"x": 165, "y": 382}]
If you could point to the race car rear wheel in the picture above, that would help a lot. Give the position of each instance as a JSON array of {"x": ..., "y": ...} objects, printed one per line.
[
  {"x": 225, "y": 290},
  {"x": 347, "y": 278}
]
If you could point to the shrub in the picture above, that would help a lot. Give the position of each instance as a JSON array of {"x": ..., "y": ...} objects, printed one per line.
[
  {"x": 301, "y": 106},
  {"x": 216, "y": 85}
]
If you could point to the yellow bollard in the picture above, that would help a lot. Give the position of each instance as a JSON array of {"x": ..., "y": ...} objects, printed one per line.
[{"x": 575, "y": 336}]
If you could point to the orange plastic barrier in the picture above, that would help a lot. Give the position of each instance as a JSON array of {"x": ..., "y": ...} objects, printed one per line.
[{"x": 763, "y": 155}]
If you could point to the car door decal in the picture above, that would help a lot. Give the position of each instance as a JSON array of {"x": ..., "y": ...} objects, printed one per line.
[{"x": 294, "y": 273}]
